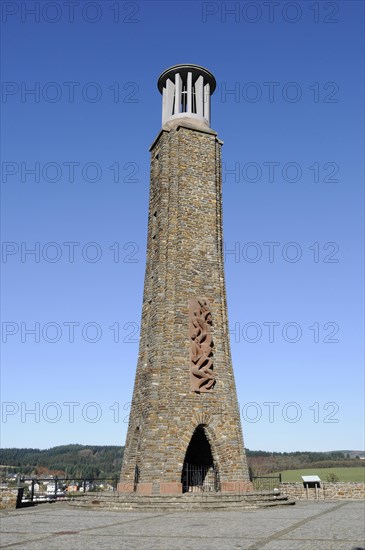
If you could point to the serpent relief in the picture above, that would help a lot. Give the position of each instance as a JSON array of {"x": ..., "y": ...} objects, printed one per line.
[{"x": 201, "y": 346}]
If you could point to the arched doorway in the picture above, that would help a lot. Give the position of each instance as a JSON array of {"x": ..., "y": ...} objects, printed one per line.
[{"x": 199, "y": 472}]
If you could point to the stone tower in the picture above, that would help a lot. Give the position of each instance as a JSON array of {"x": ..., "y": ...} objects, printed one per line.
[{"x": 184, "y": 430}]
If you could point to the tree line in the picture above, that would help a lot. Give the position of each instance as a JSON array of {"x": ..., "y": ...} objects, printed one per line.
[
  {"x": 71, "y": 461},
  {"x": 263, "y": 462},
  {"x": 96, "y": 461}
]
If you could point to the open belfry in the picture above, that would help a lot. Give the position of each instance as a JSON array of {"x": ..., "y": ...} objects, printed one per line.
[{"x": 184, "y": 432}]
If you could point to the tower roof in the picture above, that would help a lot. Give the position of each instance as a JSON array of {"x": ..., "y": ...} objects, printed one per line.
[
  {"x": 186, "y": 91},
  {"x": 183, "y": 70}
]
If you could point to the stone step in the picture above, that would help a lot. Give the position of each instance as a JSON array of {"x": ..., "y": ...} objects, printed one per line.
[
  {"x": 184, "y": 506},
  {"x": 185, "y": 502},
  {"x": 186, "y": 497},
  {"x": 172, "y": 501},
  {"x": 197, "y": 495}
]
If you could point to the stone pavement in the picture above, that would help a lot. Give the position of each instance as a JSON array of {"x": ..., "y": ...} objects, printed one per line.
[{"x": 307, "y": 525}]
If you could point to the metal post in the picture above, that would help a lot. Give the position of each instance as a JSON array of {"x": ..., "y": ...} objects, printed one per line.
[
  {"x": 55, "y": 488},
  {"x": 32, "y": 490}
]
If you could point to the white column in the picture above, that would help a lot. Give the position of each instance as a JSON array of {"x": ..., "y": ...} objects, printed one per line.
[
  {"x": 167, "y": 100},
  {"x": 178, "y": 88},
  {"x": 207, "y": 102},
  {"x": 199, "y": 96},
  {"x": 190, "y": 92},
  {"x": 164, "y": 106}
]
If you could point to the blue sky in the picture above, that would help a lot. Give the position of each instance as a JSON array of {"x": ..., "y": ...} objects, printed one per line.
[{"x": 289, "y": 109}]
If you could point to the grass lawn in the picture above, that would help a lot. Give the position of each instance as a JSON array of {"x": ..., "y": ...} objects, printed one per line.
[{"x": 343, "y": 474}]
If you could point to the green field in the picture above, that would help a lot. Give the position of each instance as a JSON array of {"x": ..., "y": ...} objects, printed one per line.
[{"x": 343, "y": 474}]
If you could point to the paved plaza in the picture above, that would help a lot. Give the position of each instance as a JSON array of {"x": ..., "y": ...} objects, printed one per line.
[{"x": 307, "y": 525}]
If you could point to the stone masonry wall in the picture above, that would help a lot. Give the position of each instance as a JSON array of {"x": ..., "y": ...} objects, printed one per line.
[
  {"x": 184, "y": 260},
  {"x": 333, "y": 491},
  {"x": 10, "y": 498}
]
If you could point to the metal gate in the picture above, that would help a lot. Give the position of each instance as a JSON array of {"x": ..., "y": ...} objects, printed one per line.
[
  {"x": 266, "y": 483},
  {"x": 198, "y": 479}
]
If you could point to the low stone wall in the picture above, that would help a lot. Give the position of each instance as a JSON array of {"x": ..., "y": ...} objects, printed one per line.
[
  {"x": 11, "y": 498},
  {"x": 333, "y": 491}
]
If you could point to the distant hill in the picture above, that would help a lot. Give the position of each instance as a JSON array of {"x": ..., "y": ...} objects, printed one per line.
[
  {"x": 97, "y": 461},
  {"x": 263, "y": 462},
  {"x": 89, "y": 461},
  {"x": 353, "y": 454}
]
